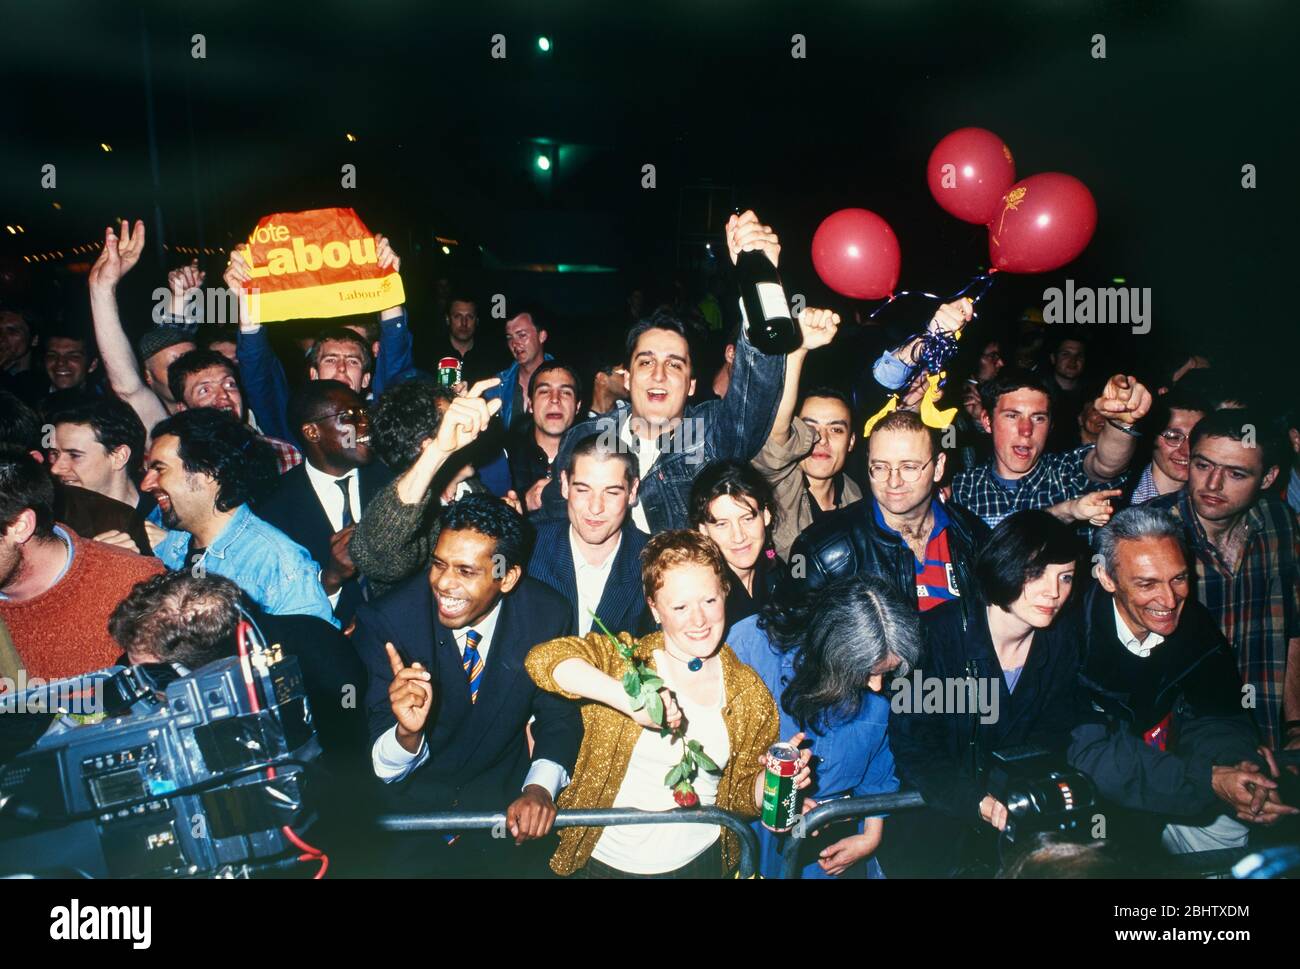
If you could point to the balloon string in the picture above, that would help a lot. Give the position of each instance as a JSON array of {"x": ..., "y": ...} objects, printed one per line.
[{"x": 984, "y": 281}]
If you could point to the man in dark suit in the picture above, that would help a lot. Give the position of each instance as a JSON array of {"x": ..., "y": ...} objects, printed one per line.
[
  {"x": 593, "y": 558},
  {"x": 318, "y": 503},
  {"x": 450, "y": 703}
]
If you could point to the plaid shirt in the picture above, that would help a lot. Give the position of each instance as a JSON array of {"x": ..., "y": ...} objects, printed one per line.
[
  {"x": 1258, "y": 606},
  {"x": 1054, "y": 479},
  {"x": 287, "y": 457}
]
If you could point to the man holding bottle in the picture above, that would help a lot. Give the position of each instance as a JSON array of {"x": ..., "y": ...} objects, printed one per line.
[{"x": 671, "y": 441}]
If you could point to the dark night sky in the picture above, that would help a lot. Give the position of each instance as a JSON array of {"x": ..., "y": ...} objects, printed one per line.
[{"x": 1159, "y": 130}]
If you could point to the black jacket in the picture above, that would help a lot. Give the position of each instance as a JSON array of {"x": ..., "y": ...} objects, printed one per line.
[
  {"x": 1198, "y": 683},
  {"x": 948, "y": 755},
  {"x": 848, "y": 541},
  {"x": 294, "y": 509},
  {"x": 478, "y": 752},
  {"x": 622, "y": 604}
]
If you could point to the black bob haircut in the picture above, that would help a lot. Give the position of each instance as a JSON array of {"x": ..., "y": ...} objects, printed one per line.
[
  {"x": 492, "y": 517},
  {"x": 1019, "y": 551},
  {"x": 1008, "y": 381},
  {"x": 25, "y": 483},
  {"x": 662, "y": 319},
  {"x": 739, "y": 480},
  {"x": 214, "y": 443}
]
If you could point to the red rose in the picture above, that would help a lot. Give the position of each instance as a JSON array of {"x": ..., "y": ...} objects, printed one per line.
[{"x": 686, "y": 798}]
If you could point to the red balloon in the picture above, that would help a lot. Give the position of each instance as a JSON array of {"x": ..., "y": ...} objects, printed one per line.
[
  {"x": 1045, "y": 221},
  {"x": 855, "y": 253},
  {"x": 969, "y": 171}
]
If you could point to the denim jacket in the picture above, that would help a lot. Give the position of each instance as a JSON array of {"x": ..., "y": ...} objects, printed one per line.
[
  {"x": 734, "y": 427},
  {"x": 505, "y": 391},
  {"x": 267, "y": 389},
  {"x": 276, "y": 572}
]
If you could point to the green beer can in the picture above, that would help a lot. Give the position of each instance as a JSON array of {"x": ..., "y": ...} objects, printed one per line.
[{"x": 780, "y": 799}]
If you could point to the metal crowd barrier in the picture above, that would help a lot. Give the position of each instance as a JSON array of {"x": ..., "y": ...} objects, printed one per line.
[
  {"x": 849, "y": 807},
  {"x": 595, "y": 818}
]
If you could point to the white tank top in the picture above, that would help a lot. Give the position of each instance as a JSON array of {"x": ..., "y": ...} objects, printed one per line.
[{"x": 652, "y": 849}]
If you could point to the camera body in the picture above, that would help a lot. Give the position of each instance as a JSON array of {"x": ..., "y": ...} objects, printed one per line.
[
  {"x": 1041, "y": 792},
  {"x": 162, "y": 779}
]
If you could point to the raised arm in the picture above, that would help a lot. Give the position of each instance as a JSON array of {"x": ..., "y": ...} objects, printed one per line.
[
  {"x": 395, "y": 340},
  {"x": 818, "y": 328},
  {"x": 1123, "y": 402},
  {"x": 260, "y": 369},
  {"x": 117, "y": 258}
]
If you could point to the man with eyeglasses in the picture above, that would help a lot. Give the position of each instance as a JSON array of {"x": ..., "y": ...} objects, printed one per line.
[
  {"x": 1246, "y": 545},
  {"x": 1175, "y": 414},
  {"x": 903, "y": 532},
  {"x": 318, "y": 503}
]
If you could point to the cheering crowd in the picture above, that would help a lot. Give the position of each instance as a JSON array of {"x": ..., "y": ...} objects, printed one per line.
[{"x": 468, "y": 570}]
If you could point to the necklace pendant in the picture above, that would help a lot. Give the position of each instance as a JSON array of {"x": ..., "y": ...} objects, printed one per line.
[{"x": 695, "y": 665}]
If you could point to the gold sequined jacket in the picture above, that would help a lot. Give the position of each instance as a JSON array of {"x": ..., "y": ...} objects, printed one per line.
[{"x": 749, "y": 713}]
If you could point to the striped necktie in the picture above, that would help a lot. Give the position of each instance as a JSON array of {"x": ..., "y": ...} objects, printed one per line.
[{"x": 473, "y": 663}]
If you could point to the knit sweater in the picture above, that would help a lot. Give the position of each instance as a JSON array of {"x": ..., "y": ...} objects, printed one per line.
[
  {"x": 608, "y": 738},
  {"x": 64, "y": 631}
]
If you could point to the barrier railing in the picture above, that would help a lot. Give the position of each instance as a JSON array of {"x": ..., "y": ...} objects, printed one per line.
[
  {"x": 850, "y": 807},
  {"x": 594, "y": 818}
]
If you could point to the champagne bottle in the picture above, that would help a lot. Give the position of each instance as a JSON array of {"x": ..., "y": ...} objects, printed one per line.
[{"x": 764, "y": 310}]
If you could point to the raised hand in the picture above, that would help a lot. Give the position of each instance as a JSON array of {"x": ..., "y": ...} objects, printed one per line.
[
  {"x": 951, "y": 317},
  {"x": 672, "y": 713},
  {"x": 410, "y": 697},
  {"x": 385, "y": 254},
  {"x": 818, "y": 327},
  {"x": 184, "y": 280},
  {"x": 1124, "y": 399},
  {"x": 745, "y": 232},
  {"x": 118, "y": 257},
  {"x": 237, "y": 278},
  {"x": 533, "y": 499},
  {"x": 466, "y": 418}
]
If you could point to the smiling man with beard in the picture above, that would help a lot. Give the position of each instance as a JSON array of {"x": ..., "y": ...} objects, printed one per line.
[
  {"x": 318, "y": 503},
  {"x": 204, "y": 467}
]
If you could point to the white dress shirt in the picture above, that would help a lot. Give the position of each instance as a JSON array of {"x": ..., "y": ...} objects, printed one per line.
[
  {"x": 647, "y": 453},
  {"x": 392, "y": 761},
  {"x": 590, "y": 580},
  {"x": 1141, "y": 648},
  {"x": 330, "y": 497}
]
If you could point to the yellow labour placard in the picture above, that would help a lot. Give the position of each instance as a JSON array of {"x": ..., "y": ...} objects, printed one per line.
[{"x": 316, "y": 264}]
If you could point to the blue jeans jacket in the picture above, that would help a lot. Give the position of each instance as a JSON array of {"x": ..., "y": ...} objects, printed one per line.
[
  {"x": 267, "y": 389},
  {"x": 734, "y": 427},
  {"x": 505, "y": 391},
  {"x": 276, "y": 572}
]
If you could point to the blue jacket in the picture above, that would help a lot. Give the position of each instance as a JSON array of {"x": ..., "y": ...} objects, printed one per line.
[
  {"x": 276, "y": 572},
  {"x": 734, "y": 427},
  {"x": 505, "y": 391},
  {"x": 267, "y": 389},
  {"x": 852, "y": 755}
]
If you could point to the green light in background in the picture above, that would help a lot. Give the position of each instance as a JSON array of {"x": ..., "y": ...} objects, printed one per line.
[
  {"x": 1119, "y": 280},
  {"x": 544, "y": 44},
  {"x": 543, "y": 161}
]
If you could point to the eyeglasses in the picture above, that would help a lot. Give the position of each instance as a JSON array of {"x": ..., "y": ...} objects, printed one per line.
[
  {"x": 1173, "y": 438},
  {"x": 353, "y": 415},
  {"x": 909, "y": 471}
]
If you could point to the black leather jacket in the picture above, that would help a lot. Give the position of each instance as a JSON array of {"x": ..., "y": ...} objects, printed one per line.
[{"x": 849, "y": 542}]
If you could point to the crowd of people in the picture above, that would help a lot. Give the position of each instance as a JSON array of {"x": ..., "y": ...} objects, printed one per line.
[{"x": 469, "y": 572}]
